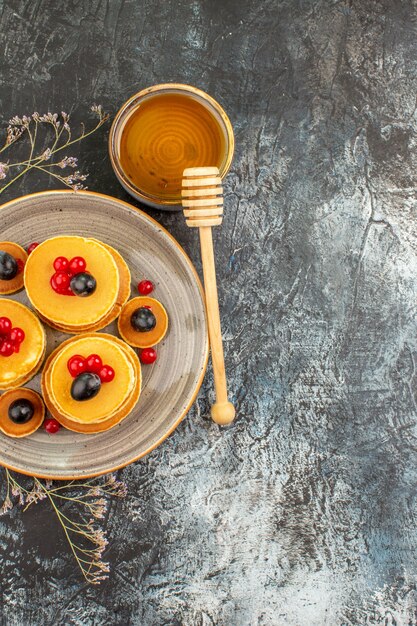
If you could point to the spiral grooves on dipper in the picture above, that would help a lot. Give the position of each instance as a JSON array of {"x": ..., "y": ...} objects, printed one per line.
[{"x": 202, "y": 196}]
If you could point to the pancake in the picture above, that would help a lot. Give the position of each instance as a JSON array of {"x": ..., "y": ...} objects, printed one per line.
[
  {"x": 18, "y": 253},
  {"x": 19, "y": 366},
  {"x": 122, "y": 297},
  {"x": 111, "y": 395},
  {"x": 143, "y": 339},
  {"x": 65, "y": 310},
  {"x": 103, "y": 425},
  {"x": 7, "y": 426}
]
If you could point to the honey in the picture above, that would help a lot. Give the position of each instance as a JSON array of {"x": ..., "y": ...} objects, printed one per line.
[{"x": 165, "y": 134}]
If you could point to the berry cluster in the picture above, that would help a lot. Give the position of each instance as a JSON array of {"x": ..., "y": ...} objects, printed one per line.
[
  {"x": 71, "y": 277},
  {"x": 147, "y": 355},
  {"x": 93, "y": 364},
  {"x": 10, "y": 338}
]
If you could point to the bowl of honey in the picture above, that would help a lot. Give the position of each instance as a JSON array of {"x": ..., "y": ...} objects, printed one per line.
[{"x": 162, "y": 130}]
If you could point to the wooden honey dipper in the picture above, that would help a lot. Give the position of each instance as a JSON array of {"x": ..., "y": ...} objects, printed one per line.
[{"x": 202, "y": 201}]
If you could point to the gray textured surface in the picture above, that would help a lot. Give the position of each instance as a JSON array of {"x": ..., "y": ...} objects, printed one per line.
[{"x": 303, "y": 513}]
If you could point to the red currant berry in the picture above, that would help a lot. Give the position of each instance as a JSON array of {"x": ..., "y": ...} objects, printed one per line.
[
  {"x": 77, "y": 364},
  {"x": 17, "y": 335},
  {"x": 148, "y": 356},
  {"x": 77, "y": 265},
  {"x": 32, "y": 246},
  {"x": 94, "y": 363},
  {"x": 6, "y": 348},
  {"x": 5, "y": 326},
  {"x": 20, "y": 266},
  {"x": 51, "y": 426},
  {"x": 60, "y": 282},
  {"x": 145, "y": 287},
  {"x": 16, "y": 347},
  {"x": 106, "y": 374},
  {"x": 61, "y": 264},
  {"x": 147, "y": 306}
]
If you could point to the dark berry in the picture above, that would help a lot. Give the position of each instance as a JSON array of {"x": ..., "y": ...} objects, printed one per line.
[
  {"x": 145, "y": 287},
  {"x": 77, "y": 265},
  {"x": 77, "y": 364},
  {"x": 94, "y": 363},
  {"x": 143, "y": 320},
  {"x": 148, "y": 356},
  {"x": 5, "y": 326},
  {"x": 106, "y": 374},
  {"x": 61, "y": 264},
  {"x": 32, "y": 246},
  {"x": 8, "y": 266},
  {"x": 21, "y": 411},
  {"x": 83, "y": 284},
  {"x": 51, "y": 425},
  {"x": 85, "y": 386}
]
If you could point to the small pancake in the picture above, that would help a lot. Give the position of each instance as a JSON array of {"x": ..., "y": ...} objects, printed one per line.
[
  {"x": 11, "y": 429},
  {"x": 66, "y": 310},
  {"x": 143, "y": 339},
  {"x": 21, "y": 364},
  {"x": 18, "y": 253}
]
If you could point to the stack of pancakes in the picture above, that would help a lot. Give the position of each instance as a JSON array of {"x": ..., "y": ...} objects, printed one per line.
[
  {"x": 16, "y": 370},
  {"x": 74, "y": 315},
  {"x": 115, "y": 399}
]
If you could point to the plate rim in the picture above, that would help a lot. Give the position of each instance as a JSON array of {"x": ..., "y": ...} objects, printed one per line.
[{"x": 129, "y": 206}]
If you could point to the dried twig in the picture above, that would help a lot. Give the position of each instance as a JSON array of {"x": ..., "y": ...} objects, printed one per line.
[
  {"x": 85, "y": 537},
  {"x": 43, "y": 159}
]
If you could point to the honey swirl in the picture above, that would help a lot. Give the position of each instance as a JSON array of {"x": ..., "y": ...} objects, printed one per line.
[{"x": 165, "y": 135}]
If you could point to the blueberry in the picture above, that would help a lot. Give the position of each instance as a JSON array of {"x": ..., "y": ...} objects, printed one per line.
[
  {"x": 21, "y": 411},
  {"x": 85, "y": 386},
  {"x": 143, "y": 320},
  {"x": 8, "y": 266},
  {"x": 83, "y": 284}
]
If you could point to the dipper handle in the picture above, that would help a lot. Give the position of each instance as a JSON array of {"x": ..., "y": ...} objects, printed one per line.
[{"x": 202, "y": 201}]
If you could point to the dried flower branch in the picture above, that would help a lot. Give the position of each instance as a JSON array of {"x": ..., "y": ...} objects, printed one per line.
[
  {"x": 86, "y": 539},
  {"x": 62, "y": 139}
]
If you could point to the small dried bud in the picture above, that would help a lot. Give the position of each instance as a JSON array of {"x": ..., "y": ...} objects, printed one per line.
[{"x": 4, "y": 168}]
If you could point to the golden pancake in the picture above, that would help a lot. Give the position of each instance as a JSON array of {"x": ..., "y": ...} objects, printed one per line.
[
  {"x": 7, "y": 426},
  {"x": 116, "y": 418},
  {"x": 17, "y": 252},
  {"x": 25, "y": 379},
  {"x": 111, "y": 395},
  {"x": 122, "y": 297},
  {"x": 133, "y": 360},
  {"x": 15, "y": 368},
  {"x": 124, "y": 276},
  {"x": 143, "y": 339},
  {"x": 72, "y": 310}
]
